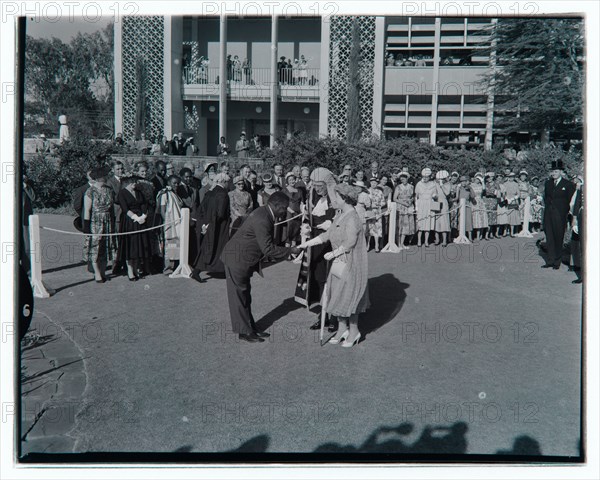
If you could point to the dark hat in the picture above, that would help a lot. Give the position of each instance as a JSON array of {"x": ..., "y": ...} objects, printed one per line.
[
  {"x": 267, "y": 177},
  {"x": 557, "y": 165}
]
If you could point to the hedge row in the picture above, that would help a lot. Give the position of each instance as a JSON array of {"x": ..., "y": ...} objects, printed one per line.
[{"x": 54, "y": 178}]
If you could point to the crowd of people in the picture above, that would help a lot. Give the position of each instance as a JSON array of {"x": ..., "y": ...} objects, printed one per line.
[{"x": 285, "y": 215}]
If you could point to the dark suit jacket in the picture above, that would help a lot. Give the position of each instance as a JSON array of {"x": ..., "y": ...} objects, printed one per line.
[
  {"x": 159, "y": 183},
  {"x": 78, "y": 195},
  {"x": 253, "y": 242},
  {"x": 558, "y": 197}
]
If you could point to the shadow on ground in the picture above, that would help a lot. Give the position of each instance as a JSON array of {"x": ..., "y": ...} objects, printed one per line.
[{"x": 387, "y": 295}]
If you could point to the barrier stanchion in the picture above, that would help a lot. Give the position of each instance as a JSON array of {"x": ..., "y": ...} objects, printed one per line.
[
  {"x": 391, "y": 246},
  {"x": 462, "y": 237},
  {"x": 35, "y": 247},
  {"x": 526, "y": 220},
  {"x": 183, "y": 270}
]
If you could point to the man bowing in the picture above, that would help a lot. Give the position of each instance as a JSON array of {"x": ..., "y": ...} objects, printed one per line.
[{"x": 242, "y": 256}]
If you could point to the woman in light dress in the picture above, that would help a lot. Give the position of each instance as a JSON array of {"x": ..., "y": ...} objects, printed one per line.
[
  {"x": 378, "y": 205},
  {"x": 425, "y": 194}
]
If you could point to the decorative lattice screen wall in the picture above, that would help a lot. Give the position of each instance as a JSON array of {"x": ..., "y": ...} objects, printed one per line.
[
  {"x": 340, "y": 45},
  {"x": 143, "y": 37}
]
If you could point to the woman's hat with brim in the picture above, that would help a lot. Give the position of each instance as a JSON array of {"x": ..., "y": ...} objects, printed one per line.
[
  {"x": 349, "y": 191},
  {"x": 238, "y": 179},
  {"x": 289, "y": 174},
  {"x": 404, "y": 174},
  {"x": 210, "y": 165},
  {"x": 442, "y": 175},
  {"x": 464, "y": 178},
  {"x": 523, "y": 172},
  {"x": 267, "y": 177},
  {"x": 426, "y": 172}
]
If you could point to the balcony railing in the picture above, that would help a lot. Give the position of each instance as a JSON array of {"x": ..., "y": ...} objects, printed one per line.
[{"x": 251, "y": 83}]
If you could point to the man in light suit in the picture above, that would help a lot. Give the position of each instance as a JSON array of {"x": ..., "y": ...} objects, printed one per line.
[
  {"x": 242, "y": 256},
  {"x": 557, "y": 197}
]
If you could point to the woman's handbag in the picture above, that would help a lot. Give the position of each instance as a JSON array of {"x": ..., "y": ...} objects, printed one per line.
[
  {"x": 338, "y": 266},
  {"x": 436, "y": 206}
]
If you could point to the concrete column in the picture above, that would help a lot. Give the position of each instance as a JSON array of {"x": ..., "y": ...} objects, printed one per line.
[
  {"x": 223, "y": 76},
  {"x": 436, "y": 80},
  {"x": 274, "y": 84},
  {"x": 290, "y": 128},
  {"x": 118, "y": 76},
  {"x": 173, "y": 113},
  {"x": 324, "y": 77},
  {"x": 489, "y": 113},
  {"x": 378, "y": 76}
]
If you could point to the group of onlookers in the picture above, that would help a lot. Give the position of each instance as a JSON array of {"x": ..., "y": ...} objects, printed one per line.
[{"x": 428, "y": 210}]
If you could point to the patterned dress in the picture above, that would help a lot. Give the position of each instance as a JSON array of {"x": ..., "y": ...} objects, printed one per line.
[
  {"x": 240, "y": 205},
  {"x": 404, "y": 198},
  {"x": 480, "y": 219},
  {"x": 102, "y": 221},
  {"x": 468, "y": 194},
  {"x": 348, "y": 293},
  {"x": 537, "y": 205},
  {"x": 442, "y": 219},
  {"x": 378, "y": 203},
  {"x": 490, "y": 200},
  {"x": 502, "y": 211},
  {"x": 424, "y": 192}
]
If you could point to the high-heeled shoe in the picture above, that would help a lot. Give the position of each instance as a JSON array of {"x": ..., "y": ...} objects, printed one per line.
[
  {"x": 351, "y": 344},
  {"x": 343, "y": 337}
]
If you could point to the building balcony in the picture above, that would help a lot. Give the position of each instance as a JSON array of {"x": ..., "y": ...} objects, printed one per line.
[
  {"x": 453, "y": 80},
  {"x": 252, "y": 84}
]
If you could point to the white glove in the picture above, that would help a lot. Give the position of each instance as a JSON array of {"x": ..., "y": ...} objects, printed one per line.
[
  {"x": 336, "y": 253},
  {"x": 311, "y": 243}
]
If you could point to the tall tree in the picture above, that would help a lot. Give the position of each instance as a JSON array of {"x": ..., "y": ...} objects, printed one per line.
[
  {"x": 73, "y": 78},
  {"x": 354, "y": 127},
  {"x": 539, "y": 77}
]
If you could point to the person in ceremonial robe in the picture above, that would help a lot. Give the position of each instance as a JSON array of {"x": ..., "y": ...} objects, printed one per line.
[
  {"x": 214, "y": 212},
  {"x": 317, "y": 219}
]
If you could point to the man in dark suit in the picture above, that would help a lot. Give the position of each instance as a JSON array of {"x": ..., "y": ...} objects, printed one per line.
[
  {"x": 159, "y": 179},
  {"x": 114, "y": 182},
  {"x": 78, "y": 196},
  {"x": 242, "y": 256},
  {"x": 557, "y": 196}
]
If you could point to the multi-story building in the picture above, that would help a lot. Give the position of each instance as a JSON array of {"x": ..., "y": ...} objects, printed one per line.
[{"x": 218, "y": 76}]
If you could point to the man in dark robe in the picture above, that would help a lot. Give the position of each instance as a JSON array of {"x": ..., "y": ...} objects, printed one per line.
[
  {"x": 313, "y": 269},
  {"x": 190, "y": 197},
  {"x": 557, "y": 196},
  {"x": 242, "y": 256},
  {"x": 214, "y": 213}
]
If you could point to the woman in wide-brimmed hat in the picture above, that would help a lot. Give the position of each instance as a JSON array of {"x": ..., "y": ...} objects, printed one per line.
[
  {"x": 347, "y": 279},
  {"x": 425, "y": 194},
  {"x": 442, "y": 218}
]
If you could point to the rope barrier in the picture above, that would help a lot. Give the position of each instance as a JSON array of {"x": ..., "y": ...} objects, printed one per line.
[
  {"x": 110, "y": 234},
  {"x": 289, "y": 219}
]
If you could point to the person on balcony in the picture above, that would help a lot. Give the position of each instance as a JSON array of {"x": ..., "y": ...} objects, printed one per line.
[
  {"x": 281, "y": 69},
  {"x": 399, "y": 62},
  {"x": 247, "y": 68},
  {"x": 242, "y": 146},
  {"x": 237, "y": 69},
  {"x": 303, "y": 70},
  {"x": 222, "y": 148}
]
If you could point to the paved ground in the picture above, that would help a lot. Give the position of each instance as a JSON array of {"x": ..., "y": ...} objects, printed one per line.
[{"x": 468, "y": 349}]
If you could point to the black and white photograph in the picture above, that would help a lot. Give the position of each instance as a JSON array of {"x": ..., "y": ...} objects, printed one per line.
[{"x": 246, "y": 235}]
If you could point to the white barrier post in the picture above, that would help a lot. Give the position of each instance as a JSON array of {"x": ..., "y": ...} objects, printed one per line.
[
  {"x": 35, "y": 247},
  {"x": 183, "y": 270},
  {"x": 462, "y": 237},
  {"x": 526, "y": 220},
  {"x": 391, "y": 246}
]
